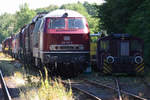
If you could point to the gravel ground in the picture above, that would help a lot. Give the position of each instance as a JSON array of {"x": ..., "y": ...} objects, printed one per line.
[
  {"x": 14, "y": 82},
  {"x": 133, "y": 84},
  {"x": 12, "y": 88}
]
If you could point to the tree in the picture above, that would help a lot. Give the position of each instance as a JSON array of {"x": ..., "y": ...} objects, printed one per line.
[
  {"x": 115, "y": 14},
  {"x": 47, "y": 9},
  {"x": 91, "y": 8},
  {"x": 139, "y": 26},
  {"x": 7, "y": 23},
  {"x": 24, "y": 16}
]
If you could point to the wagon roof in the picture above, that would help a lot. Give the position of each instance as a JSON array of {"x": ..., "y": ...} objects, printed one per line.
[{"x": 61, "y": 12}]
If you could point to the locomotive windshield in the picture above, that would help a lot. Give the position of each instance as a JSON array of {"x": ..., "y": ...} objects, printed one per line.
[
  {"x": 69, "y": 23},
  {"x": 75, "y": 23},
  {"x": 57, "y": 23}
]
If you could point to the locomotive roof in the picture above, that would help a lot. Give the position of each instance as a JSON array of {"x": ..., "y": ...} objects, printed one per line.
[{"x": 62, "y": 12}]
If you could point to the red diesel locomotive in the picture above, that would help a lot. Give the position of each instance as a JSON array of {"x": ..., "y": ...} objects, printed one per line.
[
  {"x": 58, "y": 40},
  {"x": 61, "y": 37}
]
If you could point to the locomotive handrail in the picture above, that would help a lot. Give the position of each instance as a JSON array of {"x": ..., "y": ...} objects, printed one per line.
[
  {"x": 4, "y": 87},
  {"x": 66, "y": 52},
  {"x": 95, "y": 34}
]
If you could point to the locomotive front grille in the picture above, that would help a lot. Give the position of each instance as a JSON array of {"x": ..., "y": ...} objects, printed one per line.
[
  {"x": 124, "y": 48},
  {"x": 66, "y": 47},
  {"x": 124, "y": 60}
]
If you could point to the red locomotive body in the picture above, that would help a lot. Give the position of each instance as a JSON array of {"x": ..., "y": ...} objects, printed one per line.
[
  {"x": 7, "y": 45},
  {"x": 27, "y": 46},
  {"x": 61, "y": 37},
  {"x": 15, "y": 46}
]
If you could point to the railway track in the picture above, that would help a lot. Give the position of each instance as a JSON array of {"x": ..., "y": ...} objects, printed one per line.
[
  {"x": 4, "y": 88},
  {"x": 118, "y": 89},
  {"x": 100, "y": 91},
  {"x": 78, "y": 88},
  {"x": 93, "y": 91}
]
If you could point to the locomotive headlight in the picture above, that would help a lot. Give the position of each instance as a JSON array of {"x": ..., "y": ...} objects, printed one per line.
[
  {"x": 138, "y": 59},
  {"x": 110, "y": 59},
  {"x": 53, "y": 47}
]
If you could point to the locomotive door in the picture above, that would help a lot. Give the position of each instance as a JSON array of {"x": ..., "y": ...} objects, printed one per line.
[
  {"x": 36, "y": 38},
  {"x": 102, "y": 51},
  {"x": 124, "y": 56}
]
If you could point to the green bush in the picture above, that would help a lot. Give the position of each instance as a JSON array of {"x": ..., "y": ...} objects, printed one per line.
[{"x": 139, "y": 26}]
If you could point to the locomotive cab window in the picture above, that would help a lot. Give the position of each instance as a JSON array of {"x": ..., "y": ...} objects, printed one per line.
[
  {"x": 57, "y": 23},
  {"x": 104, "y": 45},
  {"x": 75, "y": 23}
]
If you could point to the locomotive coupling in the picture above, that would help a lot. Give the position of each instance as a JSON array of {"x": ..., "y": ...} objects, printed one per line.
[{"x": 138, "y": 59}]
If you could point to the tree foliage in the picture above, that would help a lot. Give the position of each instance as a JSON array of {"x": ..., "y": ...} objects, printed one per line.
[
  {"x": 139, "y": 25},
  {"x": 47, "y": 9},
  {"x": 115, "y": 14},
  {"x": 24, "y": 16},
  {"x": 127, "y": 16},
  {"x": 91, "y": 8},
  {"x": 11, "y": 23},
  {"x": 7, "y": 22}
]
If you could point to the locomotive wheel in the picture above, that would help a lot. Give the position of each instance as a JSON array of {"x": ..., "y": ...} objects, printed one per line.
[{"x": 63, "y": 70}]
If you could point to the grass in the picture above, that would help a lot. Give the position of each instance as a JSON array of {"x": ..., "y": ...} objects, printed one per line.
[
  {"x": 48, "y": 90},
  {"x": 33, "y": 86}
]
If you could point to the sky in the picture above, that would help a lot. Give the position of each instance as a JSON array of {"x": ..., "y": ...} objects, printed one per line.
[{"x": 11, "y": 6}]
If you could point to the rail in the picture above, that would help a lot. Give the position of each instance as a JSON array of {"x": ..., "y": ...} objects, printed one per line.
[
  {"x": 116, "y": 89},
  {"x": 83, "y": 91},
  {"x": 4, "y": 87}
]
